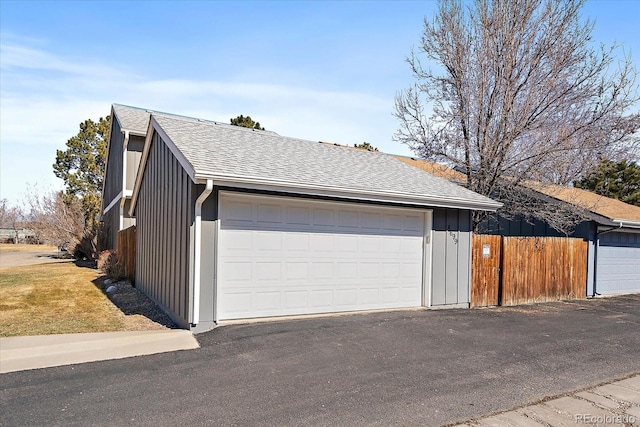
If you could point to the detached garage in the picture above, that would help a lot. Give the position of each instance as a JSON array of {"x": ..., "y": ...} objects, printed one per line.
[{"x": 235, "y": 223}]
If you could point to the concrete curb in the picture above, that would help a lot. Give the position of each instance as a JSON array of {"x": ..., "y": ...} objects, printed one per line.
[
  {"x": 613, "y": 403},
  {"x": 43, "y": 351}
]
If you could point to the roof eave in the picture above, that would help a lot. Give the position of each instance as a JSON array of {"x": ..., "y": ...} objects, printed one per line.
[
  {"x": 134, "y": 132},
  {"x": 346, "y": 193},
  {"x": 106, "y": 160},
  {"x": 626, "y": 223},
  {"x": 152, "y": 128}
]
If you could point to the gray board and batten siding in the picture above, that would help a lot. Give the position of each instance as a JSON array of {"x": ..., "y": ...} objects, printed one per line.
[
  {"x": 113, "y": 178},
  {"x": 451, "y": 268},
  {"x": 111, "y": 224},
  {"x": 113, "y": 185},
  {"x": 116, "y": 192},
  {"x": 165, "y": 213}
]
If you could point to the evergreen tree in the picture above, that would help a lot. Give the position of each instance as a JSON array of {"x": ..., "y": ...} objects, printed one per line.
[
  {"x": 81, "y": 166},
  {"x": 246, "y": 122},
  {"x": 618, "y": 180},
  {"x": 365, "y": 146}
]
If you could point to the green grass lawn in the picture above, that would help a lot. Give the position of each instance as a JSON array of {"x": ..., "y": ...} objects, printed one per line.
[{"x": 54, "y": 299}]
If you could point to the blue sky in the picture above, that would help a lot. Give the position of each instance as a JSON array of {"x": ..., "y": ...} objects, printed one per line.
[{"x": 316, "y": 70}]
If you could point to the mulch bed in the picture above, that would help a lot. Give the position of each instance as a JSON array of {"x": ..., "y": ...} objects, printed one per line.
[{"x": 140, "y": 312}]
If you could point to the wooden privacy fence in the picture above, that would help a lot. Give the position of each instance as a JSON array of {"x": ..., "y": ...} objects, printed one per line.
[
  {"x": 520, "y": 270},
  {"x": 126, "y": 250}
]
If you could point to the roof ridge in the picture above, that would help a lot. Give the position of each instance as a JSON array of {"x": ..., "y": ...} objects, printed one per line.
[
  {"x": 164, "y": 113},
  {"x": 211, "y": 122}
]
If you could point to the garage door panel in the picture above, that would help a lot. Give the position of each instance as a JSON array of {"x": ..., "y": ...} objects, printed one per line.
[
  {"x": 391, "y": 270},
  {"x": 296, "y": 243},
  {"x": 618, "y": 269},
  {"x": 370, "y": 221},
  {"x": 411, "y": 270},
  {"x": 348, "y": 243},
  {"x": 298, "y": 215},
  {"x": 291, "y": 256},
  {"x": 238, "y": 212},
  {"x": 296, "y": 271},
  {"x": 345, "y": 297},
  {"x": 389, "y": 295},
  {"x": 238, "y": 303},
  {"x": 413, "y": 223},
  {"x": 370, "y": 244},
  {"x": 348, "y": 219},
  {"x": 267, "y": 242},
  {"x": 369, "y": 296},
  {"x": 393, "y": 222},
  {"x": 323, "y": 217},
  {"x": 409, "y": 294},
  {"x": 347, "y": 270},
  {"x": 321, "y": 270},
  {"x": 369, "y": 270},
  {"x": 392, "y": 246},
  {"x": 267, "y": 301},
  {"x": 296, "y": 299},
  {"x": 410, "y": 246},
  {"x": 321, "y": 299},
  {"x": 236, "y": 271},
  {"x": 240, "y": 240},
  {"x": 268, "y": 271},
  {"x": 322, "y": 243},
  {"x": 269, "y": 214}
]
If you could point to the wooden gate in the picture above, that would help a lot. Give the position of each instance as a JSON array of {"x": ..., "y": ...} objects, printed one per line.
[
  {"x": 126, "y": 251},
  {"x": 520, "y": 270},
  {"x": 485, "y": 280}
]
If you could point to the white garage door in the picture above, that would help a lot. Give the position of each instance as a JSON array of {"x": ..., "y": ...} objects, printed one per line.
[
  {"x": 618, "y": 263},
  {"x": 284, "y": 256}
]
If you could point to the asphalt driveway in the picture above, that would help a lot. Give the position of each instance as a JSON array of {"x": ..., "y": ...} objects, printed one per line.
[{"x": 397, "y": 368}]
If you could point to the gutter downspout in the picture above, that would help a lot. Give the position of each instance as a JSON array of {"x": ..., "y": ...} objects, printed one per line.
[
  {"x": 124, "y": 178},
  {"x": 595, "y": 257},
  {"x": 197, "y": 253}
]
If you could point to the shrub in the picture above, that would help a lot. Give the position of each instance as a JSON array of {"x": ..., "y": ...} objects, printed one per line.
[{"x": 108, "y": 263}]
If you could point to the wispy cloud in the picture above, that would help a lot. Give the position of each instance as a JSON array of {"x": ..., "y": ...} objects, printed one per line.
[
  {"x": 43, "y": 98},
  {"x": 17, "y": 56}
]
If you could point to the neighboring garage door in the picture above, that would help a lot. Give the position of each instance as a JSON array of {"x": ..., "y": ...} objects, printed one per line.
[
  {"x": 285, "y": 256},
  {"x": 618, "y": 268}
]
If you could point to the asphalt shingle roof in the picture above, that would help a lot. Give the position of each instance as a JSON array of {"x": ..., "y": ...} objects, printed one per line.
[
  {"x": 601, "y": 205},
  {"x": 132, "y": 119},
  {"x": 220, "y": 150}
]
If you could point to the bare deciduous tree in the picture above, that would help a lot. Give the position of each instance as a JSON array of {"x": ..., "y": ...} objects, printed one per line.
[
  {"x": 517, "y": 93},
  {"x": 11, "y": 217},
  {"x": 5, "y": 210},
  {"x": 54, "y": 218}
]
